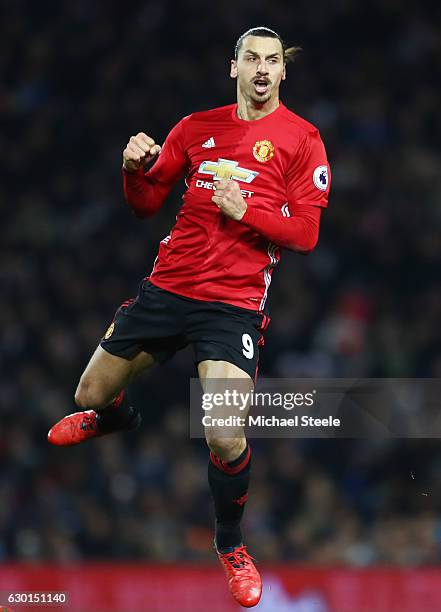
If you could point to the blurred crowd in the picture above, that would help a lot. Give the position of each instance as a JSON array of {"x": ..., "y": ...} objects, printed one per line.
[{"x": 77, "y": 80}]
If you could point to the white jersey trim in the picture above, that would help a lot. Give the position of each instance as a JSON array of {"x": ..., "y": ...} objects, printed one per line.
[
  {"x": 272, "y": 248},
  {"x": 163, "y": 241}
]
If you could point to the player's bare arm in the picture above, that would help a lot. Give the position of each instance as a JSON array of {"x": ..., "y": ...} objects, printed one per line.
[
  {"x": 229, "y": 200},
  {"x": 140, "y": 150}
]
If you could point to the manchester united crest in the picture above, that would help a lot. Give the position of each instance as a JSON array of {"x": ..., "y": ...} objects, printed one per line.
[
  {"x": 109, "y": 332},
  {"x": 263, "y": 150}
]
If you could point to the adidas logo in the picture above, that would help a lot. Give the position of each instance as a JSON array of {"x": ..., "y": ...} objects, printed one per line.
[{"x": 208, "y": 144}]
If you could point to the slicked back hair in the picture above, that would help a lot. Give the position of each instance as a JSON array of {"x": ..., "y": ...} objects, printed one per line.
[{"x": 288, "y": 52}]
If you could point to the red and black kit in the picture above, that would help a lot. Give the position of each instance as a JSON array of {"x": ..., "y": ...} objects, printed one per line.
[{"x": 280, "y": 164}]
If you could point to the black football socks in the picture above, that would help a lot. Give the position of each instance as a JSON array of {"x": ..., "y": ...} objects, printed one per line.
[
  {"x": 118, "y": 415},
  {"x": 229, "y": 487}
]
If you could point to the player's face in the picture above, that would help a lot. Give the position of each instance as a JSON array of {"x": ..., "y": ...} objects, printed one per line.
[{"x": 259, "y": 68}]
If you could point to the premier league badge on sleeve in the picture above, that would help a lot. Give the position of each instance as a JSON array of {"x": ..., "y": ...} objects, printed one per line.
[{"x": 320, "y": 177}]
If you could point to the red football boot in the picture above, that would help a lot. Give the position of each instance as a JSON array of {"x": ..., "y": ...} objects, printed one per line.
[
  {"x": 81, "y": 426},
  {"x": 243, "y": 578}
]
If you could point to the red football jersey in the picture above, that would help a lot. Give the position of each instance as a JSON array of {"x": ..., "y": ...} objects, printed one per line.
[{"x": 280, "y": 164}]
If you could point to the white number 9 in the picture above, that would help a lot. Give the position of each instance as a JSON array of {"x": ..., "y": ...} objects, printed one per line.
[{"x": 248, "y": 347}]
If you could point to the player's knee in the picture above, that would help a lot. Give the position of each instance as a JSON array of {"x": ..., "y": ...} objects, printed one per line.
[
  {"x": 89, "y": 396},
  {"x": 224, "y": 448}
]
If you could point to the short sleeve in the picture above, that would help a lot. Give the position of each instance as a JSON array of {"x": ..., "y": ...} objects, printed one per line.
[{"x": 309, "y": 174}]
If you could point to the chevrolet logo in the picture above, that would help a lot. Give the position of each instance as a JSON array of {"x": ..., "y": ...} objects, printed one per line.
[{"x": 227, "y": 169}]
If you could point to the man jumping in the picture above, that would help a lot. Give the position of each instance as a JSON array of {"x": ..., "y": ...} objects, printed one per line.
[{"x": 257, "y": 180}]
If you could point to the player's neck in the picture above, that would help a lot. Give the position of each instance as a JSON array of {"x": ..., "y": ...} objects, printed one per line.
[{"x": 247, "y": 110}]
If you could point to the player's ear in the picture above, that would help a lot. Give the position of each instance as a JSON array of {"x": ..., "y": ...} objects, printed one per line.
[
  {"x": 233, "y": 69},
  {"x": 284, "y": 72}
]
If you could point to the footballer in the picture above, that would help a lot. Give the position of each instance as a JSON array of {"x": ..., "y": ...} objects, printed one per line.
[{"x": 257, "y": 179}]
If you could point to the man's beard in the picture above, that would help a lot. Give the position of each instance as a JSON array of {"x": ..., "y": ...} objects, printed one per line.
[{"x": 260, "y": 99}]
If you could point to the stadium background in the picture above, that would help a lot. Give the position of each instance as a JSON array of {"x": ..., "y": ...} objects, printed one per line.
[{"x": 334, "y": 523}]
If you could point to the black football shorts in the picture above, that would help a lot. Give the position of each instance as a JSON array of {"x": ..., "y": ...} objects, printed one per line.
[{"x": 161, "y": 323}]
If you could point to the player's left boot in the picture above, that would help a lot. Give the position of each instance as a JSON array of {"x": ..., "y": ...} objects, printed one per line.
[
  {"x": 243, "y": 578},
  {"x": 81, "y": 426}
]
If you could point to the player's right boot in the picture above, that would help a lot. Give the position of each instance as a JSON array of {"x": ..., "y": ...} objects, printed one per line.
[{"x": 81, "y": 426}]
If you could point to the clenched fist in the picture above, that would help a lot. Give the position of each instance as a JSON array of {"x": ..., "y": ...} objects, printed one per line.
[
  {"x": 139, "y": 151},
  {"x": 228, "y": 198}
]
